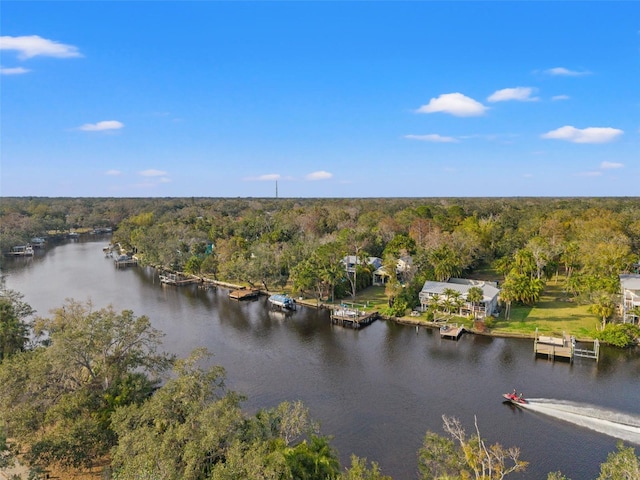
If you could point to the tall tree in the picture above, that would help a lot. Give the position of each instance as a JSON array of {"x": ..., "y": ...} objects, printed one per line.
[
  {"x": 58, "y": 398},
  {"x": 14, "y": 328}
]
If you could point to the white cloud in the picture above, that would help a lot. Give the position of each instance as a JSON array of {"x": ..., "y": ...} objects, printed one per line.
[
  {"x": 432, "y": 137},
  {"x": 13, "y": 70},
  {"x": 152, "y": 173},
  {"x": 609, "y": 165},
  {"x": 456, "y": 104},
  {"x": 101, "y": 126},
  {"x": 522, "y": 94},
  {"x": 319, "y": 175},
  {"x": 560, "y": 97},
  {"x": 590, "y": 174},
  {"x": 113, "y": 172},
  {"x": 34, "y": 45},
  {"x": 584, "y": 135},
  {"x": 268, "y": 177},
  {"x": 565, "y": 72}
]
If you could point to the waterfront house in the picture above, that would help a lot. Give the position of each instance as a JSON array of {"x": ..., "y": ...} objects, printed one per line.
[
  {"x": 404, "y": 266},
  {"x": 490, "y": 294},
  {"x": 350, "y": 262},
  {"x": 630, "y": 290}
]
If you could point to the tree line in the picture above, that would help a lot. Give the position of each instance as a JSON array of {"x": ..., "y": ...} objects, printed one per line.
[{"x": 300, "y": 243}]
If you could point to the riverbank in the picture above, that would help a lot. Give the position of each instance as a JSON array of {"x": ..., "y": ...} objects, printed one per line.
[{"x": 555, "y": 314}]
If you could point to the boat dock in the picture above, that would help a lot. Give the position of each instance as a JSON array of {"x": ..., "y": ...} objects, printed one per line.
[
  {"x": 177, "y": 279},
  {"x": 244, "y": 294},
  {"x": 563, "y": 347},
  {"x": 452, "y": 331},
  {"x": 350, "y": 315},
  {"x": 21, "y": 251},
  {"x": 125, "y": 261}
]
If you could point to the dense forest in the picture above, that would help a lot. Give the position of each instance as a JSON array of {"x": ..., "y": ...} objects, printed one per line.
[
  {"x": 85, "y": 385},
  {"x": 299, "y": 243}
]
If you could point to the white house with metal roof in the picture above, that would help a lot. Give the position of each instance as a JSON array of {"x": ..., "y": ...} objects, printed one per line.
[
  {"x": 490, "y": 294},
  {"x": 630, "y": 290}
]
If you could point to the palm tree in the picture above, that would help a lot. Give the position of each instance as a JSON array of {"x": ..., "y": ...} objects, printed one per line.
[{"x": 475, "y": 295}]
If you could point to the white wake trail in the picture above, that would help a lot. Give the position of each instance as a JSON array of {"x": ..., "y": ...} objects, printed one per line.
[{"x": 623, "y": 426}]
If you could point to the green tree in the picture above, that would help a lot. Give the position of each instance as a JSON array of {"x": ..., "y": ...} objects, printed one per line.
[
  {"x": 475, "y": 296},
  {"x": 14, "y": 329},
  {"x": 57, "y": 399},
  {"x": 462, "y": 456},
  {"x": 621, "y": 465},
  {"x": 604, "y": 306},
  {"x": 360, "y": 471}
]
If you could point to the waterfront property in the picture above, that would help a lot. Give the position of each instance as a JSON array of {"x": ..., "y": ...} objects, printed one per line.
[
  {"x": 563, "y": 347},
  {"x": 404, "y": 267},
  {"x": 630, "y": 290},
  {"x": 350, "y": 262},
  {"x": 437, "y": 292}
]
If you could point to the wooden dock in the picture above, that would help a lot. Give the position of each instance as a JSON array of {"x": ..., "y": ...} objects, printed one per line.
[
  {"x": 452, "y": 331},
  {"x": 177, "y": 280},
  {"x": 352, "y": 317},
  {"x": 563, "y": 347},
  {"x": 244, "y": 294},
  {"x": 125, "y": 261}
]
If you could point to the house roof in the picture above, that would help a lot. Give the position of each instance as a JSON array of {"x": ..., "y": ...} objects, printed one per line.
[
  {"x": 630, "y": 281},
  {"x": 489, "y": 291},
  {"x": 352, "y": 259}
]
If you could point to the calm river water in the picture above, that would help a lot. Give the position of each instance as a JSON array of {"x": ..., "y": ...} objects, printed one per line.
[{"x": 377, "y": 390}]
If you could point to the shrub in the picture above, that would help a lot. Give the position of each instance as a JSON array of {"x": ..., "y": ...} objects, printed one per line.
[{"x": 620, "y": 335}]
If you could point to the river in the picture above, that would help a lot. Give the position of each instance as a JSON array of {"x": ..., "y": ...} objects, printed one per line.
[{"x": 377, "y": 390}]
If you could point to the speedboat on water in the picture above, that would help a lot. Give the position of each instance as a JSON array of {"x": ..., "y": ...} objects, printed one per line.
[{"x": 515, "y": 398}]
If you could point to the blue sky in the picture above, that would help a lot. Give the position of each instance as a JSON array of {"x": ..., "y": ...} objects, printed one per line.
[{"x": 327, "y": 98}]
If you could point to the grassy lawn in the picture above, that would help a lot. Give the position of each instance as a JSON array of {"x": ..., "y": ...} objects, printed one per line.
[{"x": 553, "y": 315}]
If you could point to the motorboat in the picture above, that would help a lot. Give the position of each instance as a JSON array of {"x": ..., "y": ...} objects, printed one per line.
[{"x": 515, "y": 398}]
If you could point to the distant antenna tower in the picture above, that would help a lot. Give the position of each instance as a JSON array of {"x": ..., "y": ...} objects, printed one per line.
[{"x": 276, "y": 188}]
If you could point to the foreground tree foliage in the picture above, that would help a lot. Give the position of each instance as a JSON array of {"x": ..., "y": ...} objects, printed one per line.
[
  {"x": 193, "y": 428},
  {"x": 462, "y": 456},
  {"x": 57, "y": 398},
  {"x": 14, "y": 327}
]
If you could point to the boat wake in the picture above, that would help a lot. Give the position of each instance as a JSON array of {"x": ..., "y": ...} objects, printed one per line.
[{"x": 623, "y": 426}]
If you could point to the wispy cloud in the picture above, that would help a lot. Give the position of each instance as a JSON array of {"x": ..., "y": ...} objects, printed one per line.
[
  {"x": 584, "y": 135},
  {"x": 113, "y": 172},
  {"x": 102, "y": 126},
  {"x": 521, "y": 94},
  {"x": 152, "y": 172},
  {"x": 560, "y": 97},
  {"x": 589, "y": 174},
  {"x": 455, "y": 104},
  {"x": 33, "y": 45},
  {"x": 609, "y": 165},
  {"x": 13, "y": 70},
  {"x": 319, "y": 175},
  {"x": 432, "y": 137},
  {"x": 565, "y": 72}
]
